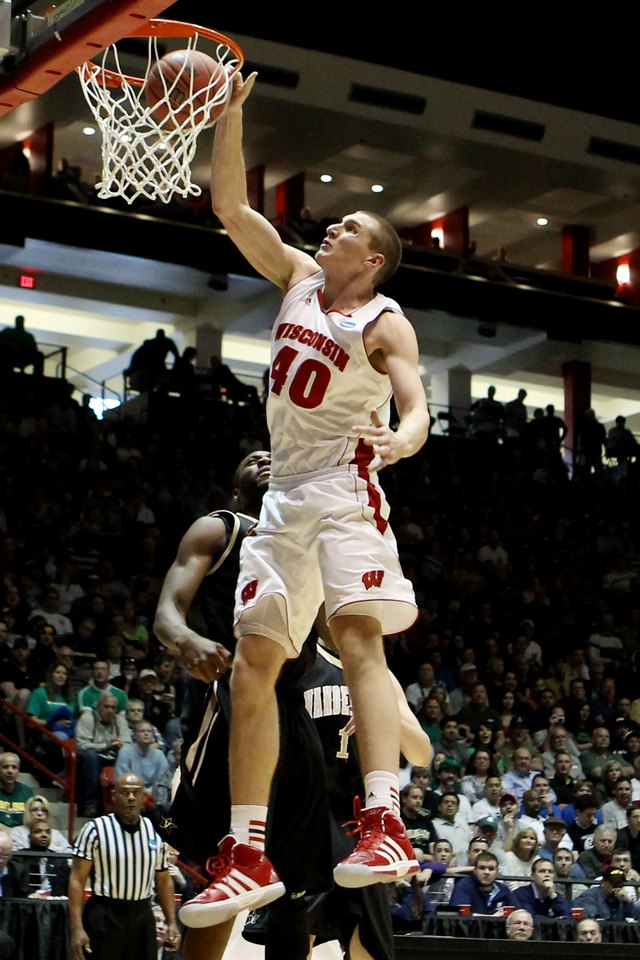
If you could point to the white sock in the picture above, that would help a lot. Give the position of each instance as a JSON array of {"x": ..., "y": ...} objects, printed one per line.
[
  {"x": 248, "y": 824},
  {"x": 382, "y": 789}
]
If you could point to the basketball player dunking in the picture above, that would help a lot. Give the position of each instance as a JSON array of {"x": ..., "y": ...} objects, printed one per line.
[{"x": 340, "y": 351}]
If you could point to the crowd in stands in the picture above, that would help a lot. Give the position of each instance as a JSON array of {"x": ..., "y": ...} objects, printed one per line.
[{"x": 522, "y": 665}]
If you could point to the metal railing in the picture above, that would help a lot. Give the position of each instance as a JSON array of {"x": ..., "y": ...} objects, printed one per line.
[{"x": 68, "y": 747}]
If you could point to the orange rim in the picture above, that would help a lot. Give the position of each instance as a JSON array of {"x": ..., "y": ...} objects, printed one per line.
[{"x": 163, "y": 28}]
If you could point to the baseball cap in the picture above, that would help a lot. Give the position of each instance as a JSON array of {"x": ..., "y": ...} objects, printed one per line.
[
  {"x": 555, "y": 822},
  {"x": 507, "y": 797},
  {"x": 490, "y": 822},
  {"x": 147, "y": 673},
  {"x": 448, "y": 764},
  {"x": 467, "y": 666},
  {"x": 614, "y": 874}
]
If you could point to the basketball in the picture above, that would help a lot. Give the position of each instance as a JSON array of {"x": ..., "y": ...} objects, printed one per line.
[{"x": 184, "y": 86}]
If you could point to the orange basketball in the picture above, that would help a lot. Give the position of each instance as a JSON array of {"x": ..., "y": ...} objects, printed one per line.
[{"x": 192, "y": 87}]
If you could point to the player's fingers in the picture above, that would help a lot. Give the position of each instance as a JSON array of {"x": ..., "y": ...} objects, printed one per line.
[{"x": 375, "y": 419}]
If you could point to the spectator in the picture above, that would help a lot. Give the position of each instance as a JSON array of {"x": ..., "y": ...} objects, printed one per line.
[
  {"x": 613, "y": 771},
  {"x": 554, "y": 430},
  {"x": 621, "y": 443},
  {"x": 52, "y": 705},
  {"x": 147, "y": 367},
  {"x": 540, "y": 897},
  {"x": 608, "y": 899},
  {"x": 417, "y": 821},
  {"x": 13, "y": 876},
  {"x": 430, "y": 716},
  {"x": 555, "y": 838},
  {"x": 451, "y": 743},
  {"x": 489, "y": 805},
  {"x": 481, "y": 890},
  {"x": 450, "y": 825},
  {"x": 50, "y": 612},
  {"x": 559, "y": 740},
  {"x": 515, "y": 417},
  {"x": 140, "y": 758},
  {"x": 562, "y": 782},
  {"x": 519, "y": 925},
  {"x": 48, "y": 875},
  {"x": 99, "y": 735},
  {"x": 582, "y": 828},
  {"x": 622, "y": 858},
  {"x": 616, "y": 810},
  {"x": 519, "y": 778},
  {"x": 416, "y": 693},
  {"x": 477, "y": 771},
  {"x": 477, "y": 711},
  {"x": 520, "y": 859},
  {"x": 448, "y": 777},
  {"x": 99, "y": 684},
  {"x": 18, "y": 348},
  {"x": 134, "y": 714},
  {"x": 629, "y": 836},
  {"x": 594, "y": 759},
  {"x": 603, "y": 646},
  {"x": 566, "y": 871},
  {"x": 588, "y": 931},
  {"x": 592, "y": 437},
  {"x": 596, "y": 860},
  {"x": 37, "y": 809},
  {"x": 13, "y": 794}
]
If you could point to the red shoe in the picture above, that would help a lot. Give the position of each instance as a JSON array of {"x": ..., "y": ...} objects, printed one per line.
[
  {"x": 383, "y": 852},
  {"x": 243, "y": 879}
]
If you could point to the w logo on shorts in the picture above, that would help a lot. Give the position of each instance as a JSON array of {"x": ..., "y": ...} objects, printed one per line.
[
  {"x": 249, "y": 591},
  {"x": 372, "y": 578}
]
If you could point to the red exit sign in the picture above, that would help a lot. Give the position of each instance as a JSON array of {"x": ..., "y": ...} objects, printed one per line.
[{"x": 26, "y": 281}]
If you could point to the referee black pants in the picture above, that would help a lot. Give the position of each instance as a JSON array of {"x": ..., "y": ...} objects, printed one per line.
[{"x": 120, "y": 929}]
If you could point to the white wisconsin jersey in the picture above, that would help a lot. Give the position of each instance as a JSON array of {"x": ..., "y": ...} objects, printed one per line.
[{"x": 322, "y": 383}]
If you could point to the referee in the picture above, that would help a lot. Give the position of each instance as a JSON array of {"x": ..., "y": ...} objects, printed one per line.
[{"x": 127, "y": 861}]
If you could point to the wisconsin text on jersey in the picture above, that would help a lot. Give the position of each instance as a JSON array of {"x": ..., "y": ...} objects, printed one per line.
[{"x": 319, "y": 341}]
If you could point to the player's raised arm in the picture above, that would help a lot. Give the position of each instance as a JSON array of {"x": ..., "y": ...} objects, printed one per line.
[{"x": 252, "y": 233}]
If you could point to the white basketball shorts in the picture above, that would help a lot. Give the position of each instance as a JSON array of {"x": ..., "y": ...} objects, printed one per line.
[{"x": 322, "y": 537}]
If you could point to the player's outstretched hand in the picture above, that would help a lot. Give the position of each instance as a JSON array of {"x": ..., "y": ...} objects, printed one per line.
[
  {"x": 204, "y": 659},
  {"x": 240, "y": 90},
  {"x": 387, "y": 445}
]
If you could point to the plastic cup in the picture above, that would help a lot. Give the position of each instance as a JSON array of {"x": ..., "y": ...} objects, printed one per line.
[
  {"x": 464, "y": 909},
  {"x": 507, "y": 910},
  {"x": 577, "y": 913}
]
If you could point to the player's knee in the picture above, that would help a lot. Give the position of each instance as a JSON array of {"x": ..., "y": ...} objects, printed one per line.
[{"x": 256, "y": 664}]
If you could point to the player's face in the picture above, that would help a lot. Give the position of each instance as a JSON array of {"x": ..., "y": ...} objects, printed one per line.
[
  {"x": 349, "y": 242},
  {"x": 253, "y": 474}
]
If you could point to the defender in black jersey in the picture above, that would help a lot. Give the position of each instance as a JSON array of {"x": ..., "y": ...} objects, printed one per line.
[
  {"x": 360, "y": 919},
  {"x": 195, "y": 603}
]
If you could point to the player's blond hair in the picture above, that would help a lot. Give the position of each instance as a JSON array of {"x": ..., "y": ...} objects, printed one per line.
[{"x": 387, "y": 242}]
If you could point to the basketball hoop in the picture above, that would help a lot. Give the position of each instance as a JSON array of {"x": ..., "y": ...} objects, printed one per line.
[{"x": 147, "y": 151}]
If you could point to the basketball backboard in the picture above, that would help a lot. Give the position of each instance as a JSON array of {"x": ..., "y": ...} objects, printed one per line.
[{"x": 41, "y": 42}]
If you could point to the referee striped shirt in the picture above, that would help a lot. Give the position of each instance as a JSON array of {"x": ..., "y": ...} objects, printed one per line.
[{"x": 124, "y": 862}]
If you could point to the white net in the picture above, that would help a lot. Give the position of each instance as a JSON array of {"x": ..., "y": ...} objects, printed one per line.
[{"x": 147, "y": 151}]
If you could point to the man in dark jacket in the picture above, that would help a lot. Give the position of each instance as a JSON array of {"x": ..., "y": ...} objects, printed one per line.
[
  {"x": 540, "y": 897},
  {"x": 484, "y": 894}
]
